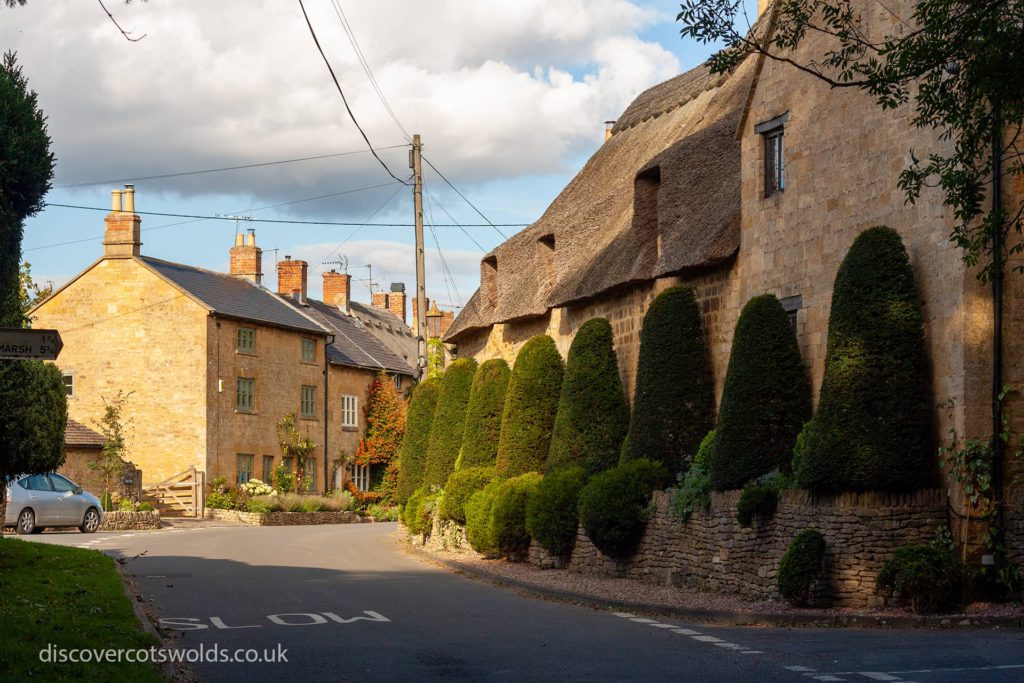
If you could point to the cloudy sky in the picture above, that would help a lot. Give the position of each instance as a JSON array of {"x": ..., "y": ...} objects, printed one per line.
[{"x": 509, "y": 98}]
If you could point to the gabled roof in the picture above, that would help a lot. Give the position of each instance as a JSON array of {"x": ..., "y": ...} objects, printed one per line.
[
  {"x": 77, "y": 435},
  {"x": 389, "y": 329},
  {"x": 233, "y": 297},
  {"x": 354, "y": 345}
]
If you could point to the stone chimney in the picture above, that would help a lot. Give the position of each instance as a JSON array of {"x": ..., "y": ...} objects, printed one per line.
[
  {"x": 379, "y": 300},
  {"x": 608, "y": 125},
  {"x": 338, "y": 290},
  {"x": 291, "y": 278},
  {"x": 396, "y": 300},
  {"x": 247, "y": 258},
  {"x": 123, "y": 226},
  {"x": 415, "y": 315},
  {"x": 762, "y": 5}
]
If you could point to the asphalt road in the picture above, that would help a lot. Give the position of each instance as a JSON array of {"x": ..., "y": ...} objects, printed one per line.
[{"x": 347, "y": 603}]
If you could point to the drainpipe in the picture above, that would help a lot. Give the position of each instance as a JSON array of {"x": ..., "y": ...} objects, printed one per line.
[
  {"x": 327, "y": 404},
  {"x": 997, "y": 332}
]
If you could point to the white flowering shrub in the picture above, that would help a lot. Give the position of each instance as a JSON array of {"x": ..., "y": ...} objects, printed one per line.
[{"x": 257, "y": 487}]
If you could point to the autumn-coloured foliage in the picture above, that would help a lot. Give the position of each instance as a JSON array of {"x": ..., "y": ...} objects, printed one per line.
[{"x": 385, "y": 424}]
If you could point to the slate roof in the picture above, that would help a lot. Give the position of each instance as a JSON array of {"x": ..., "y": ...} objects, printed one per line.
[
  {"x": 77, "y": 435},
  {"x": 390, "y": 329},
  {"x": 234, "y": 297},
  {"x": 354, "y": 344}
]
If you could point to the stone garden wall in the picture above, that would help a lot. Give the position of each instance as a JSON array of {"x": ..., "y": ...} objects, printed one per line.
[
  {"x": 286, "y": 518},
  {"x": 118, "y": 520}
]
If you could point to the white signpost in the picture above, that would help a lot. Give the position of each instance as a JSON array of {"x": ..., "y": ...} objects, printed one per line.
[{"x": 18, "y": 344}]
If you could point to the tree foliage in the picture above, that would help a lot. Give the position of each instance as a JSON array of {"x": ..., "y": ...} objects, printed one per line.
[
  {"x": 674, "y": 405},
  {"x": 766, "y": 399},
  {"x": 961, "y": 63},
  {"x": 531, "y": 402},
  {"x": 552, "y": 519},
  {"x": 385, "y": 423},
  {"x": 29, "y": 291},
  {"x": 449, "y": 422},
  {"x": 483, "y": 416},
  {"x": 875, "y": 426},
  {"x": 295, "y": 445},
  {"x": 116, "y": 429},
  {"x": 593, "y": 415},
  {"x": 31, "y": 431},
  {"x": 412, "y": 457}
]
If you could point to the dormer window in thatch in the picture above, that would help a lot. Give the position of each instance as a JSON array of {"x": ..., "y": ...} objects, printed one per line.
[
  {"x": 774, "y": 154},
  {"x": 489, "y": 280},
  {"x": 645, "y": 207},
  {"x": 546, "y": 261}
]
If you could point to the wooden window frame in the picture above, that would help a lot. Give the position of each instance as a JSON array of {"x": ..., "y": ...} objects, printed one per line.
[
  {"x": 245, "y": 340},
  {"x": 241, "y": 405},
  {"x": 773, "y": 133},
  {"x": 248, "y": 472},
  {"x": 307, "y": 398},
  {"x": 347, "y": 411}
]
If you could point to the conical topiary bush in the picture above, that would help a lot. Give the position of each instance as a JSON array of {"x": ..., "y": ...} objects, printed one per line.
[
  {"x": 874, "y": 428},
  {"x": 412, "y": 457},
  {"x": 593, "y": 415},
  {"x": 674, "y": 405},
  {"x": 766, "y": 399},
  {"x": 449, "y": 422},
  {"x": 531, "y": 402},
  {"x": 483, "y": 416}
]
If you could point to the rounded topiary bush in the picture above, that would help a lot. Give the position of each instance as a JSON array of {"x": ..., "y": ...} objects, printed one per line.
[
  {"x": 507, "y": 520},
  {"x": 483, "y": 416},
  {"x": 412, "y": 457},
  {"x": 460, "y": 487},
  {"x": 614, "y": 505},
  {"x": 766, "y": 399},
  {"x": 593, "y": 415},
  {"x": 758, "y": 500},
  {"x": 449, "y": 422},
  {"x": 675, "y": 400},
  {"x": 478, "y": 515},
  {"x": 874, "y": 429},
  {"x": 801, "y": 567},
  {"x": 418, "y": 510},
  {"x": 531, "y": 402},
  {"x": 551, "y": 515},
  {"x": 929, "y": 575}
]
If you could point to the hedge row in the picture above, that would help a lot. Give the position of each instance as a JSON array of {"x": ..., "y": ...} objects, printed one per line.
[
  {"x": 483, "y": 416},
  {"x": 449, "y": 422},
  {"x": 420, "y": 418}
]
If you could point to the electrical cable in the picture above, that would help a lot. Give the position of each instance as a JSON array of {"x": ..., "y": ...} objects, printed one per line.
[
  {"x": 464, "y": 232},
  {"x": 445, "y": 271},
  {"x": 361, "y": 226},
  {"x": 465, "y": 198}
]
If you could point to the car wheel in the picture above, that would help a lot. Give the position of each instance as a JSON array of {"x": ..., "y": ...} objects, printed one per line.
[
  {"x": 39, "y": 529},
  {"x": 91, "y": 521},
  {"x": 26, "y": 522}
]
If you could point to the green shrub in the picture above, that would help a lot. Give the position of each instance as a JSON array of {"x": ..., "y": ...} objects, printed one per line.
[
  {"x": 551, "y": 516},
  {"x": 694, "y": 486},
  {"x": 425, "y": 511},
  {"x": 507, "y": 520},
  {"x": 929, "y": 575},
  {"x": 766, "y": 399},
  {"x": 756, "y": 500},
  {"x": 531, "y": 402},
  {"x": 460, "y": 487},
  {"x": 675, "y": 396},
  {"x": 409, "y": 509},
  {"x": 593, "y": 415},
  {"x": 449, "y": 422},
  {"x": 483, "y": 415},
  {"x": 478, "y": 514},
  {"x": 412, "y": 457},
  {"x": 614, "y": 505},
  {"x": 259, "y": 506},
  {"x": 874, "y": 429},
  {"x": 145, "y": 507},
  {"x": 801, "y": 567}
]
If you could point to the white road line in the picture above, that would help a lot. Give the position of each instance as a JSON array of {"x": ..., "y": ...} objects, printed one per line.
[
  {"x": 641, "y": 620},
  {"x": 751, "y": 652},
  {"x": 878, "y": 676},
  {"x": 731, "y": 646},
  {"x": 825, "y": 677},
  {"x": 708, "y": 639},
  {"x": 624, "y": 615},
  {"x": 798, "y": 668},
  {"x": 662, "y": 625},
  {"x": 685, "y": 632}
]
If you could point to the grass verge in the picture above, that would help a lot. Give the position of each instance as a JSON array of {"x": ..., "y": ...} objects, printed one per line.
[{"x": 67, "y": 598}]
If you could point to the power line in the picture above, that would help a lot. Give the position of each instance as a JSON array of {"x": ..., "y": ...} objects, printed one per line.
[
  {"x": 465, "y": 198},
  {"x": 218, "y": 170},
  {"x": 445, "y": 270},
  {"x": 366, "y": 66},
  {"x": 342, "y": 93},
  {"x": 461, "y": 227},
  {"x": 361, "y": 226}
]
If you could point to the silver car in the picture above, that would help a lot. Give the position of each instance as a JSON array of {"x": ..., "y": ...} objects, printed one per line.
[{"x": 38, "y": 501}]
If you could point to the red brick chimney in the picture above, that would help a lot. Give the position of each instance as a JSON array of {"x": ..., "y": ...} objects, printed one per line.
[
  {"x": 379, "y": 300},
  {"x": 415, "y": 314},
  {"x": 291, "y": 278},
  {"x": 447, "y": 320},
  {"x": 338, "y": 290},
  {"x": 396, "y": 300},
  {"x": 247, "y": 258},
  {"x": 123, "y": 225}
]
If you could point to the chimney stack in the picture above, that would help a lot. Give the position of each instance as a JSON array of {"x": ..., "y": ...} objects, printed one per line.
[
  {"x": 415, "y": 314},
  {"x": 762, "y": 5},
  {"x": 608, "y": 125},
  {"x": 396, "y": 300},
  {"x": 291, "y": 278},
  {"x": 338, "y": 290},
  {"x": 122, "y": 238},
  {"x": 447, "y": 320},
  {"x": 379, "y": 300},
  {"x": 247, "y": 258}
]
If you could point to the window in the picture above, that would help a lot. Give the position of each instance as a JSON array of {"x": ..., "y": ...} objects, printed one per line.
[
  {"x": 36, "y": 482},
  {"x": 361, "y": 477},
  {"x": 349, "y": 406},
  {"x": 244, "y": 469},
  {"x": 774, "y": 154},
  {"x": 246, "y": 340},
  {"x": 308, "y": 350},
  {"x": 289, "y": 463},
  {"x": 60, "y": 484},
  {"x": 791, "y": 305},
  {"x": 398, "y": 382},
  {"x": 268, "y": 469},
  {"x": 245, "y": 394},
  {"x": 69, "y": 385},
  {"x": 308, "y": 401},
  {"x": 309, "y": 475}
]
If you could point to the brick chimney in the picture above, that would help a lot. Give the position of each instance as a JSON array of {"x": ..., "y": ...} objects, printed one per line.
[
  {"x": 122, "y": 235},
  {"x": 338, "y": 290},
  {"x": 379, "y": 300},
  {"x": 415, "y": 314},
  {"x": 447, "y": 320},
  {"x": 247, "y": 258},
  {"x": 291, "y": 278},
  {"x": 762, "y": 5},
  {"x": 396, "y": 300}
]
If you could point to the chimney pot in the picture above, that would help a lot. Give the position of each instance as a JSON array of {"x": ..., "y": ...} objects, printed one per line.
[
  {"x": 238, "y": 239},
  {"x": 129, "y": 198},
  {"x": 115, "y": 200},
  {"x": 122, "y": 239},
  {"x": 250, "y": 238},
  {"x": 247, "y": 258}
]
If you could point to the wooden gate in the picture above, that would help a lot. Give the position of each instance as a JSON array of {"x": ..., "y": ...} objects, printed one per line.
[{"x": 181, "y": 495}]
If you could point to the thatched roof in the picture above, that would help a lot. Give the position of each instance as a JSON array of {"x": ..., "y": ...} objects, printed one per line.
[{"x": 671, "y": 168}]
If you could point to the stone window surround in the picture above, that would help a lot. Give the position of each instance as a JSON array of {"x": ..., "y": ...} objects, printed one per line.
[
  {"x": 68, "y": 377},
  {"x": 792, "y": 306},
  {"x": 773, "y": 132}
]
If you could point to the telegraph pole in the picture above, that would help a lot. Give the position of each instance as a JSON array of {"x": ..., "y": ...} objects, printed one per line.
[{"x": 421, "y": 290}]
